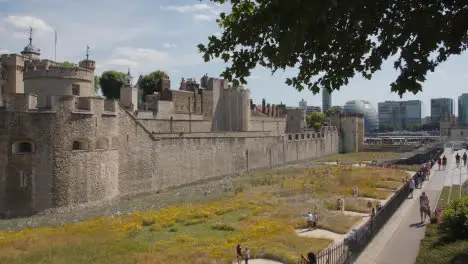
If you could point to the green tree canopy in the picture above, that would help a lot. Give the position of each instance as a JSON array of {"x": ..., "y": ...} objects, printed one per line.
[
  {"x": 66, "y": 64},
  {"x": 331, "y": 112},
  {"x": 96, "y": 83},
  {"x": 151, "y": 83},
  {"x": 111, "y": 82},
  {"x": 339, "y": 39},
  {"x": 315, "y": 120}
]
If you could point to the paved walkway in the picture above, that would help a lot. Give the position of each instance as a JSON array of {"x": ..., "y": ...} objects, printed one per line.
[{"x": 399, "y": 240}]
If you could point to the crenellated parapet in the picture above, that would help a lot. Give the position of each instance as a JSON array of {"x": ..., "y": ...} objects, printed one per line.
[
  {"x": 31, "y": 103},
  {"x": 57, "y": 72}
]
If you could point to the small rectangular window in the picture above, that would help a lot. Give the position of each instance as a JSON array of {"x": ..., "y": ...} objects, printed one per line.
[
  {"x": 76, "y": 89},
  {"x": 23, "y": 179}
]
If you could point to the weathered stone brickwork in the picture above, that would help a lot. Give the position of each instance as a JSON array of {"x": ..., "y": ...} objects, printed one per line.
[{"x": 83, "y": 152}]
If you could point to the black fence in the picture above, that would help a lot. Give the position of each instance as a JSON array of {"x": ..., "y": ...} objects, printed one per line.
[{"x": 349, "y": 250}]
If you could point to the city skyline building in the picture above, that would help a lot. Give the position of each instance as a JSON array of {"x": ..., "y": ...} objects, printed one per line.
[
  {"x": 398, "y": 115},
  {"x": 308, "y": 108},
  {"x": 365, "y": 108},
  {"x": 463, "y": 109},
  {"x": 326, "y": 100},
  {"x": 441, "y": 108}
]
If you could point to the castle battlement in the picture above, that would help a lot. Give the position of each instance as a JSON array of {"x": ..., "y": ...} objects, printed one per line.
[
  {"x": 34, "y": 104},
  {"x": 59, "y": 72},
  {"x": 12, "y": 59}
]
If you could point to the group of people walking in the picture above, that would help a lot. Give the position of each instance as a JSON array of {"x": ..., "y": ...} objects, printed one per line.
[
  {"x": 421, "y": 176},
  {"x": 442, "y": 161},
  {"x": 458, "y": 157}
]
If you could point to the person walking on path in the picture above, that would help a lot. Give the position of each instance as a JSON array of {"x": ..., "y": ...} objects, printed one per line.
[
  {"x": 424, "y": 208},
  {"x": 239, "y": 254},
  {"x": 439, "y": 162},
  {"x": 444, "y": 161},
  {"x": 457, "y": 158},
  {"x": 464, "y": 159},
  {"x": 411, "y": 187},
  {"x": 246, "y": 255}
]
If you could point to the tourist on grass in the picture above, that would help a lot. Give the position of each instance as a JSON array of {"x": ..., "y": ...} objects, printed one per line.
[
  {"x": 310, "y": 220},
  {"x": 340, "y": 204},
  {"x": 311, "y": 259},
  {"x": 378, "y": 206},
  {"x": 246, "y": 255},
  {"x": 369, "y": 205},
  {"x": 315, "y": 220},
  {"x": 239, "y": 254},
  {"x": 411, "y": 187},
  {"x": 355, "y": 191}
]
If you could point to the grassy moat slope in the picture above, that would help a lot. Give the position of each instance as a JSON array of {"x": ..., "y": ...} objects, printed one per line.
[{"x": 261, "y": 211}]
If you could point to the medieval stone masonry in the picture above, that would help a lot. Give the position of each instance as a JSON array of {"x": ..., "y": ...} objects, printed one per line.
[{"x": 61, "y": 145}]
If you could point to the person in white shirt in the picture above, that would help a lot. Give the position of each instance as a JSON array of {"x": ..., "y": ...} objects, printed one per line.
[{"x": 310, "y": 220}]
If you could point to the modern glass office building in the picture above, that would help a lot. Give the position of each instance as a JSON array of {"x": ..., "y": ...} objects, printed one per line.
[
  {"x": 371, "y": 119},
  {"x": 463, "y": 109},
  {"x": 441, "y": 108},
  {"x": 326, "y": 100},
  {"x": 397, "y": 115}
]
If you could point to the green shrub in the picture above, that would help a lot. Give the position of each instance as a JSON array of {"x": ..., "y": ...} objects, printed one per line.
[
  {"x": 455, "y": 218},
  {"x": 222, "y": 227},
  {"x": 173, "y": 229},
  {"x": 147, "y": 222}
]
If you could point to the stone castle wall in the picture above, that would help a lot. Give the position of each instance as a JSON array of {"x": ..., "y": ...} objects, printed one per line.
[{"x": 119, "y": 154}]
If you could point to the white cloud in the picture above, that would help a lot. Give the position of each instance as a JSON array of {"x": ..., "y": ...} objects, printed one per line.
[
  {"x": 203, "y": 17},
  {"x": 4, "y": 51},
  {"x": 25, "y": 22},
  {"x": 169, "y": 45},
  {"x": 188, "y": 8},
  {"x": 142, "y": 60}
]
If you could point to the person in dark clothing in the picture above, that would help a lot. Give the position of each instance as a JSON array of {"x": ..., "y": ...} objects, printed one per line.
[
  {"x": 457, "y": 158},
  {"x": 311, "y": 258},
  {"x": 239, "y": 254},
  {"x": 444, "y": 161},
  {"x": 439, "y": 162},
  {"x": 464, "y": 159}
]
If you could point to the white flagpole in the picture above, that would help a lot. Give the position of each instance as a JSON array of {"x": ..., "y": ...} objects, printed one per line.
[{"x": 55, "y": 45}]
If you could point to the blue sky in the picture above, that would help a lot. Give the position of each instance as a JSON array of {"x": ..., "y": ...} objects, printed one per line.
[{"x": 147, "y": 35}]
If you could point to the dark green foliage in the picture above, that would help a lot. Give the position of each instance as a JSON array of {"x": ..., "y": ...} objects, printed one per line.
[
  {"x": 96, "y": 83},
  {"x": 315, "y": 120},
  {"x": 455, "y": 218},
  {"x": 111, "y": 82},
  {"x": 339, "y": 39},
  {"x": 151, "y": 82},
  {"x": 66, "y": 64}
]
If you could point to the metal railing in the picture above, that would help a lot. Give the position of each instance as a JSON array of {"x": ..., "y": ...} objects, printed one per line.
[{"x": 349, "y": 250}]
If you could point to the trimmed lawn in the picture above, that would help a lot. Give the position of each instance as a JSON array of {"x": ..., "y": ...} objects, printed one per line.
[
  {"x": 455, "y": 193},
  {"x": 362, "y": 156},
  {"x": 444, "y": 197},
  {"x": 260, "y": 210}
]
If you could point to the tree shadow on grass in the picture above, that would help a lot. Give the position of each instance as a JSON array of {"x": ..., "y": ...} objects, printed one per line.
[{"x": 461, "y": 258}]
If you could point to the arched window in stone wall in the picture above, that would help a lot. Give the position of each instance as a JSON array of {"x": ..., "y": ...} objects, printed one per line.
[
  {"x": 102, "y": 143},
  {"x": 80, "y": 144},
  {"x": 22, "y": 147}
]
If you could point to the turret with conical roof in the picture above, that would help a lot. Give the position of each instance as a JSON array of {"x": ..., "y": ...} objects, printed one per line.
[{"x": 30, "y": 51}]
